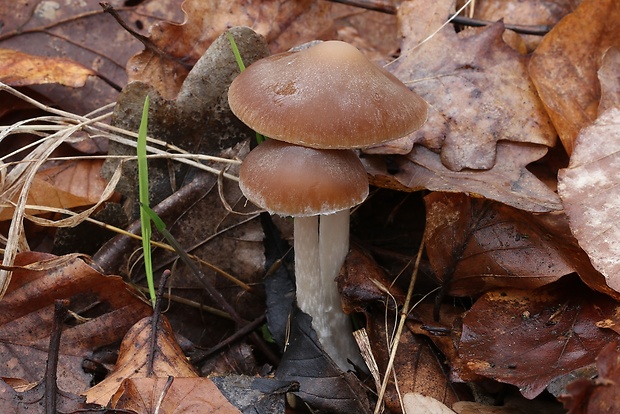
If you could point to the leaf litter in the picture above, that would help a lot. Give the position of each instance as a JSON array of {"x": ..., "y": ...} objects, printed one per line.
[{"x": 493, "y": 265}]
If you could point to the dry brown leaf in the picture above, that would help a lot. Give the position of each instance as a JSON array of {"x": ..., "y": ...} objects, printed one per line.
[
  {"x": 26, "y": 314},
  {"x": 525, "y": 12},
  {"x": 69, "y": 185},
  {"x": 282, "y": 23},
  {"x": 82, "y": 32},
  {"x": 22, "y": 69},
  {"x": 527, "y": 338},
  {"x": 486, "y": 122},
  {"x": 601, "y": 394},
  {"x": 590, "y": 193},
  {"x": 168, "y": 358},
  {"x": 363, "y": 284},
  {"x": 564, "y": 66},
  {"x": 477, "y": 86},
  {"x": 474, "y": 245},
  {"x": 183, "y": 395},
  {"x": 508, "y": 181}
]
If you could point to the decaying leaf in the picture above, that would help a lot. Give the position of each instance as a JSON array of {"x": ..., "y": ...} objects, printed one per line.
[
  {"x": 610, "y": 80},
  {"x": 476, "y": 85},
  {"x": 600, "y": 395},
  {"x": 474, "y": 245},
  {"x": 527, "y": 338},
  {"x": 507, "y": 181},
  {"x": 282, "y": 23},
  {"x": 168, "y": 359},
  {"x": 365, "y": 286},
  {"x": 22, "y": 69},
  {"x": 590, "y": 192},
  {"x": 479, "y": 94},
  {"x": 321, "y": 383},
  {"x": 31, "y": 401},
  {"x": 564, "y": 66},
  {"x": 82, "y": 32},
  {"x": 529, "y": 12},
  {"x": 69, "y": 185},
  {"x": 171, "y": 395},
  {"x": 108, "y": 304}
]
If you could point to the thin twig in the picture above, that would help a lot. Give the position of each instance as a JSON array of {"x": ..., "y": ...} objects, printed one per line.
[
  {"x": 401, "y": 324},
  {"x": 389, "y": 8}
]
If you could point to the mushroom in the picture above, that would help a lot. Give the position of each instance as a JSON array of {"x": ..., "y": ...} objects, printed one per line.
[
  {"x": 326, "y": 97},
  {"x": 317, "y": 187}
]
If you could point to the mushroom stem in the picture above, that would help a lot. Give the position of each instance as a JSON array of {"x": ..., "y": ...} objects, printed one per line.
[{"x": 321, "y": 246}]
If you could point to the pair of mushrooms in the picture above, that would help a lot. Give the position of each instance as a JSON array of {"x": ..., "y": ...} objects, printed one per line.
[{"x": 316, "y": 105}]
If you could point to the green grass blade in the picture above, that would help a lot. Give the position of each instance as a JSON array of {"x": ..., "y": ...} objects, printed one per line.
[
  {"x": 259, "y": 137},
  {"x": 143, "y": 185}
]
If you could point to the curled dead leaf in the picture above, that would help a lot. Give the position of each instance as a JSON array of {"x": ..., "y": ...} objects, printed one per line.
[{"x": 22, "y": 69}]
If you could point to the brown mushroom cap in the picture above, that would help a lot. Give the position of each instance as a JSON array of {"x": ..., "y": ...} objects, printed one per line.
[
  {"x": 327, "y": 96},
  {"x": 298, "y": 181}
]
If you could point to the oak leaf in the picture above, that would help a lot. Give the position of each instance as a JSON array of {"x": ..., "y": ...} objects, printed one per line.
[{"x": 479, "y": 94}]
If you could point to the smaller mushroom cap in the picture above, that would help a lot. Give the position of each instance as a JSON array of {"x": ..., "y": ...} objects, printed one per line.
[
  {"x": 327, "y": 96},
  {"x": 291, "y": 180}
]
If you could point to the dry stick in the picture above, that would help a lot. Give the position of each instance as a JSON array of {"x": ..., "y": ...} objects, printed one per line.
[
  {"x": 155, "y": 322},
  {"x": 51, "y": 386},
  {"x": 200, "y": 355},
  {"x": 389, "y": 8},
  {"x": 401, "y": 324}
]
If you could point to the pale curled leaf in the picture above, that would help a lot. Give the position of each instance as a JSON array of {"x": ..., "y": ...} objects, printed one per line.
[{"x": 590, "y": 191}]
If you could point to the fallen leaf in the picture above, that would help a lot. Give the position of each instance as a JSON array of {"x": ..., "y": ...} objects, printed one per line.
[
  {"x": 564, "y": 66},
  {"x": 477, "y": 87},
  {"x": 608, "y": 77},
  {"x": 30, "y": 401},
  {"x": 365, "y": 287},
  {"x": 171, "y": 395},
  {"x": 69, "y": 185},
  {"x": 322, "y": 384},
  {"x": 508, "y": 181},
  {"x": 589, "y": 190},
  {"x": 601, "y": 394},
  {"x": 282, "y": 23},
  {"x": 168, "y": 359},
  {"x": 525, "y": 12},
  {"x": 26, "y": 311},
  {"x": 474, "y": 245},
  {"x": 416, "y": 403},
  {"x": 22, "y": 69},
  {"x": 527, "y": 338},
  {"x": 83, "y": 33}
]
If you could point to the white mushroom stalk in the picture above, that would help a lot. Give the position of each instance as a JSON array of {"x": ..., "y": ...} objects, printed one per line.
[{"x": 321, "y": 246}]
